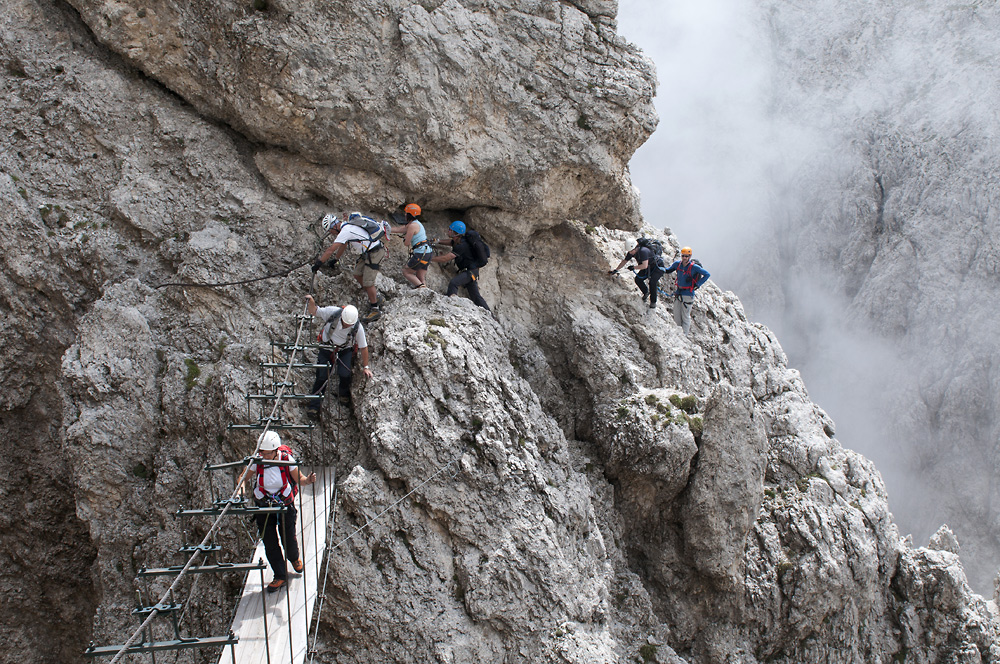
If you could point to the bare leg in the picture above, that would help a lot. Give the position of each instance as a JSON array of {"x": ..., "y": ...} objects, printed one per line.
[{"x": 411, "y": 275}]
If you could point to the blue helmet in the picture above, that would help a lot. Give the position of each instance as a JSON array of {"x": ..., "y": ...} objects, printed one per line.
[{"x": 458, "y": 227}]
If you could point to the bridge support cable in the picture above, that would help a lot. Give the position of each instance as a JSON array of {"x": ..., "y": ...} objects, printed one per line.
[
  {"x": 128, "y": 647},
  {"x": 369, "y": 522}
]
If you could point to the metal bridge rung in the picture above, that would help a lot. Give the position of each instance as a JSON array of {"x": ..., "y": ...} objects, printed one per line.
[
  {"x": 235, "y": 511},
  {"x": 159, "y": 608},
  {"x": 160, "y": 646},
  {"x": 201, "y": 569},
  {"x": 245, "y": 427},
  {"x": 208, "y": 548},
  {"x": 284, "y": 396}
]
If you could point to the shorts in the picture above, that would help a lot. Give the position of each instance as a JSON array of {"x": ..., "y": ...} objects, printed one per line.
[
  {"x": 363, "y": 268},
  {"x": 420, "y": 261}
]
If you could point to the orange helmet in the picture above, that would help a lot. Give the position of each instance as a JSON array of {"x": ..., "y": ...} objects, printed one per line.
[
  {"x": 685, "y": 251},
  {"x": 412, "y": 209}
]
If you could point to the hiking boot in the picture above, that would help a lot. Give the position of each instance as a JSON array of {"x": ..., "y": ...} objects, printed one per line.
[
  {"x": 312, "y": 414},
  {"x": 652, "y": 305},
  {"x": 298, "y": 566},
  {"x": 645, "y": 296},
  {"x": 379, "y": 301},
  {"x": 276, "y": 585},
  {"x": 373, "y": 315},
  {"x": 345, "y": 399}
]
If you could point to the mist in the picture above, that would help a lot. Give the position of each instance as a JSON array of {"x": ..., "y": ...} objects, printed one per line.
[{"x": 807, "y": 155}]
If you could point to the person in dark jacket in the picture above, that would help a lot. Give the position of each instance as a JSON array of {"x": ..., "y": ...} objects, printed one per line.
[
  {"x": 469, "y": 256},
  {"x": 690, "y": 277},
  {"x": 645, "y": 269}
]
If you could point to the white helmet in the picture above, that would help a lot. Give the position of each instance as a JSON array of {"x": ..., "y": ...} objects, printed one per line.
[
  {"x": 329, "y": 221},
  {"x": 349, "y": 315},
  {"x": 269, "y": 441}
]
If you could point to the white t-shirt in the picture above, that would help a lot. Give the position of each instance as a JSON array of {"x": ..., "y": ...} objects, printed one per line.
[
  {"x": 338, "y": 335},
  {"x": 356, "y": 238}
]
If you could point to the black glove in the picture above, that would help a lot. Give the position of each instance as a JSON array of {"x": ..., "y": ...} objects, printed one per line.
[
  {"x": 632, "y": 268},
  {"x": 317, "y": 265},
  {"x": 612, "y": 271},
  {"x": 332, "y": 262}
]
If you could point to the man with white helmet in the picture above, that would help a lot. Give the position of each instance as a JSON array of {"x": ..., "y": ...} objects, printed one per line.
[
  {"x": 340, "y": 334},
  {"x": 273, "y": 486},
  {"x": 364, "y": 235}
]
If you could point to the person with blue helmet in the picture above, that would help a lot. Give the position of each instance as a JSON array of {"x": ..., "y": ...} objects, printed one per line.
[
  {"x": 469, "y": 253},
  {"x": 690, "y": 277}
]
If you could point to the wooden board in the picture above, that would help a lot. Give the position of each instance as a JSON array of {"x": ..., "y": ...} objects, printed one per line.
[{"x": 290, "y": 610}]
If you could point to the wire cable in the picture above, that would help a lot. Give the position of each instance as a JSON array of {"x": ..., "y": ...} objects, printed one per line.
[
  {"x": 330, "y": 550},
  {"x": 273, "y": 275}
]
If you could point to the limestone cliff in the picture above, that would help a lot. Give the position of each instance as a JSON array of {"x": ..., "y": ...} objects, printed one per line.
[{"x": 621, "y": 491}]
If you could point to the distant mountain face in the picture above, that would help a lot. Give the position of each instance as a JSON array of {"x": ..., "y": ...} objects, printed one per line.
[{"x": 898, "y": 217}]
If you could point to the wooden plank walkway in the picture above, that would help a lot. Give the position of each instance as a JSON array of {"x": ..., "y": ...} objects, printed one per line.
[{"x": 290, "y": 610}]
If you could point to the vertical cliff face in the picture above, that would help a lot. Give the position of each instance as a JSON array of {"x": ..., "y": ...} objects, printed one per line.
[{"x": 618, "y": 490}]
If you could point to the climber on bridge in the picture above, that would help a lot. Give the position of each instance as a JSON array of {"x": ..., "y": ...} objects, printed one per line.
[
  {"x": 275, "y": 486},
  {"x": 469, "y": 253},
  {"x": 415, "y": 237},
  {"x": 690, "y": 277},
  {"x": 342, "y": 332},
  {"x": 364, "y": 235},
  {"x": 648, "y": 255}
]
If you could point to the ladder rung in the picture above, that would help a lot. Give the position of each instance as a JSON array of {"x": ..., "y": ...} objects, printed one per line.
[
  {"x": 160, "y": 608},
  {"x": 296, "y": 365},
  {"x": 284, "y": 396},
  {"x": 236, "y": 511},
  {"x": 201, "y": 569},
  {"x": 245, "y": 427},
  {"x": 204, "y": 548},
  {"x": 159, "y": 646}
]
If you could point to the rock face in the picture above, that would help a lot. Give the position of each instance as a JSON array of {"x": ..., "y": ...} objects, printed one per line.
[
  {"x": 522, "y": 106},
  {"x": 585, "y": 482}
]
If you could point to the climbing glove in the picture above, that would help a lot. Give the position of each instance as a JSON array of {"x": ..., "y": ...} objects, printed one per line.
[
  {"x": 612, "y": 271},
  {"x": 317, "y": 265}
]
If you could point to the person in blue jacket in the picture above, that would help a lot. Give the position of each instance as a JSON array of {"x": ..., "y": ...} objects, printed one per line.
[{"x": 690, "y": 276}]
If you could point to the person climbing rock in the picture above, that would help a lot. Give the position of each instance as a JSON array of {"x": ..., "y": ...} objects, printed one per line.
[
  {"x": 648, "y": 255},
  {"x": 364, "y": 235},
  {"x": 341, "y": 333},
  {"x": 469, "y": 253},
  {"x": 415, "y": 237},
  {"x": 273, "y": 486},
  {"x": 690, "y": 276}
]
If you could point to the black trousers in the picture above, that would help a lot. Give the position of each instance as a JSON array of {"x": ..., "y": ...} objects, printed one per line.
[
  {"x": 343, "y": 367},
  {"x": 469, "y": 279},
  {"x": 654, "y": 281},
  {"x": 273, "y": 527}
]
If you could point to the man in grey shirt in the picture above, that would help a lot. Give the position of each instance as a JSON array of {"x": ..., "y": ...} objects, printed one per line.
[{"x": 341, "y": 333}]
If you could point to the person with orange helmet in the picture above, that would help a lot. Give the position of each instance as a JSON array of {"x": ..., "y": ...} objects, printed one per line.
[
  {"x": 690, "y": 277},
  {"x": 415, "y": 237}
]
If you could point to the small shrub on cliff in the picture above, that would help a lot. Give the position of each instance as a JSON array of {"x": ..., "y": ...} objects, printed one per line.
[
  {"x": 648, "y": 652},
  {"x": 193, "y": 372}
]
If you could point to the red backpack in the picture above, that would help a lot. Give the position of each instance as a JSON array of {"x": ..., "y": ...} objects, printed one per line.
[{"x": 289, "y": 489}]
